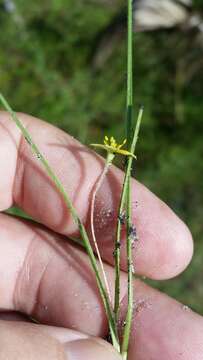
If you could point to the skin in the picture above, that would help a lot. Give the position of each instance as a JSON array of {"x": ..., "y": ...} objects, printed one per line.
[{"x": 45, "y": 276}]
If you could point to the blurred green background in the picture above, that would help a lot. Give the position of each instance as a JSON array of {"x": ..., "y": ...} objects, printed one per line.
[{"x": 65, "y": 61}]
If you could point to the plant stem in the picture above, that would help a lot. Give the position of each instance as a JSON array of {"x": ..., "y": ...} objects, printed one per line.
[
  {"x": 76, "y": 219},
  {"x": 109, "y": 159},
  {"x": 129, "y": 115},
  {"x": 129, "y": 72},
  {"x": 117, "y": 248},
  {"x": 128, "y": 320}
]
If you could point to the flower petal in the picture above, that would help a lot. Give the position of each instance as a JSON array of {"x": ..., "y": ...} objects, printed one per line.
[{"x": 126, "y": 153}]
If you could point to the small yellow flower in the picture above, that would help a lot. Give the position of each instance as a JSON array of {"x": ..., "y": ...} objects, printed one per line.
[{"x": 111, "y": 146}]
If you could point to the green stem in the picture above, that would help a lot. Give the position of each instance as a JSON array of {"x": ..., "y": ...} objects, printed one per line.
[
  {"x": 108, "y": 163},
  {"x": 121, "y": 218},
  {"x": 129, "y": 99},
  {"x": 129, "y": 115},
  {"x": 128, "y": 320},
  {"x": 75, "y": 216},
  {"x": 126, "y": 333}
]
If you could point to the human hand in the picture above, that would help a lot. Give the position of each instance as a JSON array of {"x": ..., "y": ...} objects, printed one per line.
[{"x": 45, "y": 276}]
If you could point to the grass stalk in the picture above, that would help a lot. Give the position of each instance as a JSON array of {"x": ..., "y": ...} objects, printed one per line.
[
  {"x": 129, "y": 103},
  {"x": 108, "y": 163},
  {"x": 127, "y": 185},
  {"x": 129, "y": 100},
  {"x": 132, "y": 137},
  {"x": 120, "y": 221}
]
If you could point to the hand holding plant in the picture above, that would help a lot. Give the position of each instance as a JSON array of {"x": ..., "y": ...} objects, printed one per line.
[
  {"x": 120, "y": 311},
  {"x": 50, "y": 278}
]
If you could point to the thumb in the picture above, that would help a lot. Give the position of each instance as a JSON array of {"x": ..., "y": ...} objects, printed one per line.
[{"x": 27, "y": 341}]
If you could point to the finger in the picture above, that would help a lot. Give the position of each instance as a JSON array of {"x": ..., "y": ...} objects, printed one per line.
[
  {"x": 163, "y": 328},
  {"x": 49, "y": 279},
  {"x": 24, "y": 341},
  {"x": 165, "y": 245}
]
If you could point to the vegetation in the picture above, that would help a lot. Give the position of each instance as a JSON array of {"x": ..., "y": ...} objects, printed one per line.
[{"x": 64, "y": 61}]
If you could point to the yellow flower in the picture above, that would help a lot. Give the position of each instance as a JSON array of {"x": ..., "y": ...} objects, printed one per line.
[{"x": 111, "y": 146}]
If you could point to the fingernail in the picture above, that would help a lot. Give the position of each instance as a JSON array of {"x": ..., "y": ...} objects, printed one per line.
[{"x": 90, "y": 349}]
